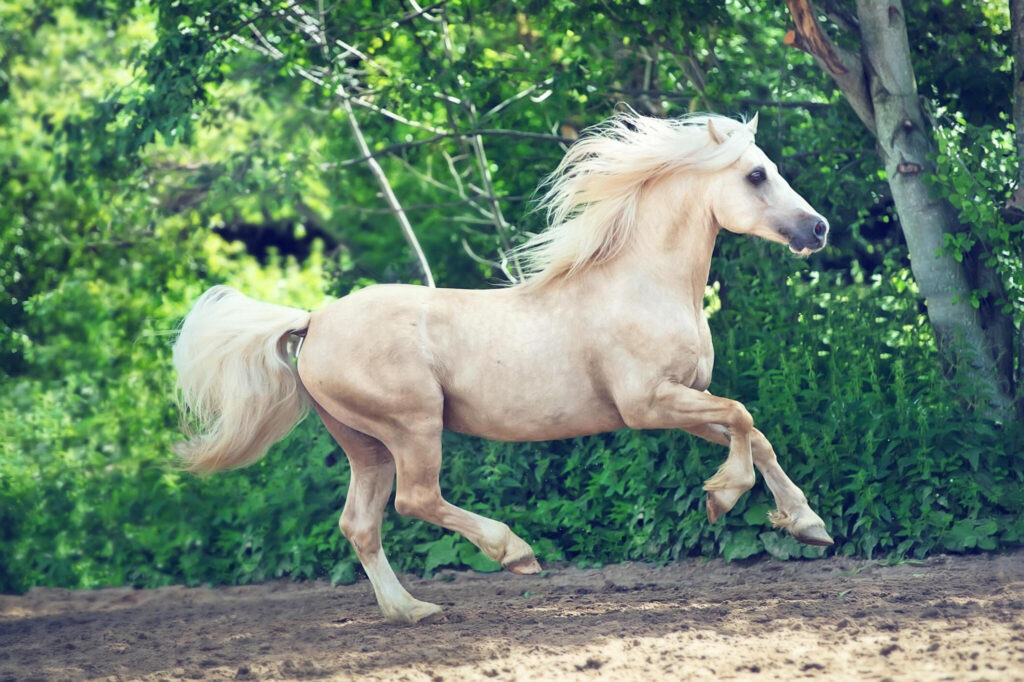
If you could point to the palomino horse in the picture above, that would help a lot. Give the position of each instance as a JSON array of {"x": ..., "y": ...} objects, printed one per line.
[{"x": 608, "y": 331}]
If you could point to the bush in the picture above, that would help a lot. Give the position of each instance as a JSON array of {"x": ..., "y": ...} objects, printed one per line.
[{"x": 840, "y": 376}]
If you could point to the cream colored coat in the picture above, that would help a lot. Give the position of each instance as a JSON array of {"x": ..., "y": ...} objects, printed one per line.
[{"x": 609, "y": 332}]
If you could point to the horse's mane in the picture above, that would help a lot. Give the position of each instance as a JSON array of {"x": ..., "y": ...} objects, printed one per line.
[{"x": 591, "y": 198}]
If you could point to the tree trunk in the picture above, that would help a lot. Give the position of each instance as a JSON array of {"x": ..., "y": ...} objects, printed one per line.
[
  {"x": 1017, "y": 31},
  {"x": 1017, "y": 198},
  {"x": 881, "y": 86}
]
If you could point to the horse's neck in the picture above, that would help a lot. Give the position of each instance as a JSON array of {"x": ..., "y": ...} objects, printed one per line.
[{"x": 672, "y": 250}]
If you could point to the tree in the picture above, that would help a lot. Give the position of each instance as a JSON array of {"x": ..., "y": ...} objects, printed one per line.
[
  {"x": 877, "y": 78},
  {"x": 1014, "y": 210},
  {"x": 138, "y": 139}
]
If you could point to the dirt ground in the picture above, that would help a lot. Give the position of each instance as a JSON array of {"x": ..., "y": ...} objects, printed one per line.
[{"x": 948, "y": 618}]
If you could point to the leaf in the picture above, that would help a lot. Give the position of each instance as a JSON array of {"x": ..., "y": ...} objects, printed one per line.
[
  {"x": 742, "y": 544},
  {"x": 757, "y": 514},
  {"x": 471, "y": 556},
  {"x": 441, "y": 552},
  {"x": 780, "y": 545}
]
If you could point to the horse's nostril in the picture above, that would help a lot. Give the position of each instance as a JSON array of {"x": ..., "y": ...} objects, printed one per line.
[{"x": 820, "y": 229}]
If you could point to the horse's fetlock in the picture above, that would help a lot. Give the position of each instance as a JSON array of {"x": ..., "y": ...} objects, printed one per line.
[{"x": 780, "y": 519}]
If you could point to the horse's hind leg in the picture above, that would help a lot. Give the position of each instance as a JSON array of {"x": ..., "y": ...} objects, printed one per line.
[
  {"x": 418, "y": 459},
  {"x": 373, "y": 474}
]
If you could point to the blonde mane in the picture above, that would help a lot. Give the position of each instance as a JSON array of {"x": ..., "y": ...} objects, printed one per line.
[{"x": 591, "y": 198}]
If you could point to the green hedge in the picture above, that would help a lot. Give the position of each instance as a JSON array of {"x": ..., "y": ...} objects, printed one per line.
[{"x": 839, "y": 374}]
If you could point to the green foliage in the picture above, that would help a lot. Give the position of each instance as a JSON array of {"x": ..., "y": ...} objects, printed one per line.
[
  {"x": 133, "y": 137},
  {"x": 866, "y": 429},
  {"x": 972, "y": 167}
]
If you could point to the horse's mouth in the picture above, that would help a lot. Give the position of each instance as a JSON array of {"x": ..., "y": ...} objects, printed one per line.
[
  {"x": 804, "y": 239},
  {"x": 803, "y": 247}
]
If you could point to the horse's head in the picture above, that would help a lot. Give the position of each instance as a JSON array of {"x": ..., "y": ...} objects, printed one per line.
[{"x": 750, "y": 197}]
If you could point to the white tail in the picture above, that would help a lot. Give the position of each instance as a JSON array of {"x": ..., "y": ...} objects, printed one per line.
[{"x": 236, "y": 379}]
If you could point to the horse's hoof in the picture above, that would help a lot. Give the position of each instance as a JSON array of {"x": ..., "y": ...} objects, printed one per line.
[
  {"x": 814, "y": 535},
  {"x": 526, "y": 565},
  {"x": 419, "y": 612},
  {"x": 429, "y": 615},
  {"x": 714, "y": 506}
]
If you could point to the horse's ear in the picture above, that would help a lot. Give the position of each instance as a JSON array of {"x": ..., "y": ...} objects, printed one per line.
[
  {"x": 716, "y": 136},
  {"x": 752, "y": 124}
]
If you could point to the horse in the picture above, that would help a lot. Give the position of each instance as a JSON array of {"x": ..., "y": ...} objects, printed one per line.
[{"x": 605, "y": 331}]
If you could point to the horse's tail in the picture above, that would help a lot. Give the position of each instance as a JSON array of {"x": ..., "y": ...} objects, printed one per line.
[{"x": 238, "y": 388}]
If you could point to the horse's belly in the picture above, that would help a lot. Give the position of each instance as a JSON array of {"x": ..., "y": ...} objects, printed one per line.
[{"x": 553, "y": 411}]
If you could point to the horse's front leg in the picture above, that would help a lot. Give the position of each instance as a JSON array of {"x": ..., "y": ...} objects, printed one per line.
[
  {"x": 674, "y": 405},
  {"x": 792, "y": 510}
]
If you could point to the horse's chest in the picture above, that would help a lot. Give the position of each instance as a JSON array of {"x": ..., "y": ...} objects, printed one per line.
[{"x": 693, "y": 356}]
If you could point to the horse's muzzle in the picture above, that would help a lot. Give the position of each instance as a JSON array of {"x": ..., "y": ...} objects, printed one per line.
[{"x": 808, "y": 235}]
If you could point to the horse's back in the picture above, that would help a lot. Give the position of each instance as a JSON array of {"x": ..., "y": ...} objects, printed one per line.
[{"x": 492, "y": 363}]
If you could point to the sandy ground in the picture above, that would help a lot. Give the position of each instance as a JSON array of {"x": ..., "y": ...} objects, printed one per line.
[{"x": 948, "y": 618}]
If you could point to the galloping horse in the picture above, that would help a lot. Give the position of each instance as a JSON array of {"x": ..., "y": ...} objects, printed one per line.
[{"x": 607, "y": 331}]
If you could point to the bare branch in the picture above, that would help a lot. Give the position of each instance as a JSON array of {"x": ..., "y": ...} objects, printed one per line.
[
  {"x": 454, "y": 173},
  {"x": 269, "y": 49},
  {"x": 421, "y": 11},
  {"x": 845, "y": 67},
  {"x": 378, "y": 172},
  {"x": 389, "y": 195},
  {"x": 312, "y": 28},
  {"x": 502, "y": 227},
  {"x": 828, "y": 152},
  {"x": 399, "y": 146},
  {"x": 515, "y": 98},
  {"x": 424, "y": 207},
  {"x": 842, "y": 17},
  {"x": 233, "y": 30},
  {"x": 503, "y": 265}
]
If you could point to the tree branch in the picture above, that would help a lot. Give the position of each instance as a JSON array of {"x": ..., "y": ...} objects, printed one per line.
[
  {"x": 745, "y": 101},
  {"x": 378, "y": 172},
  {"x": 518, "y": 96},
  {"x": 828, "y": 152},
  {"x": 425, "y": 207},
  {"x": 476, "y": 141},
  {"x": 845, "y": 67},
  {"x": 403, "y": 19},
  {"x": 398, "y": 146},
  {"x": 841, "y": 17}
]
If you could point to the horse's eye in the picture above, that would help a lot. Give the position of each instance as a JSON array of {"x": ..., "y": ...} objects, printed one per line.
[{"x": 757, "y": 176}]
